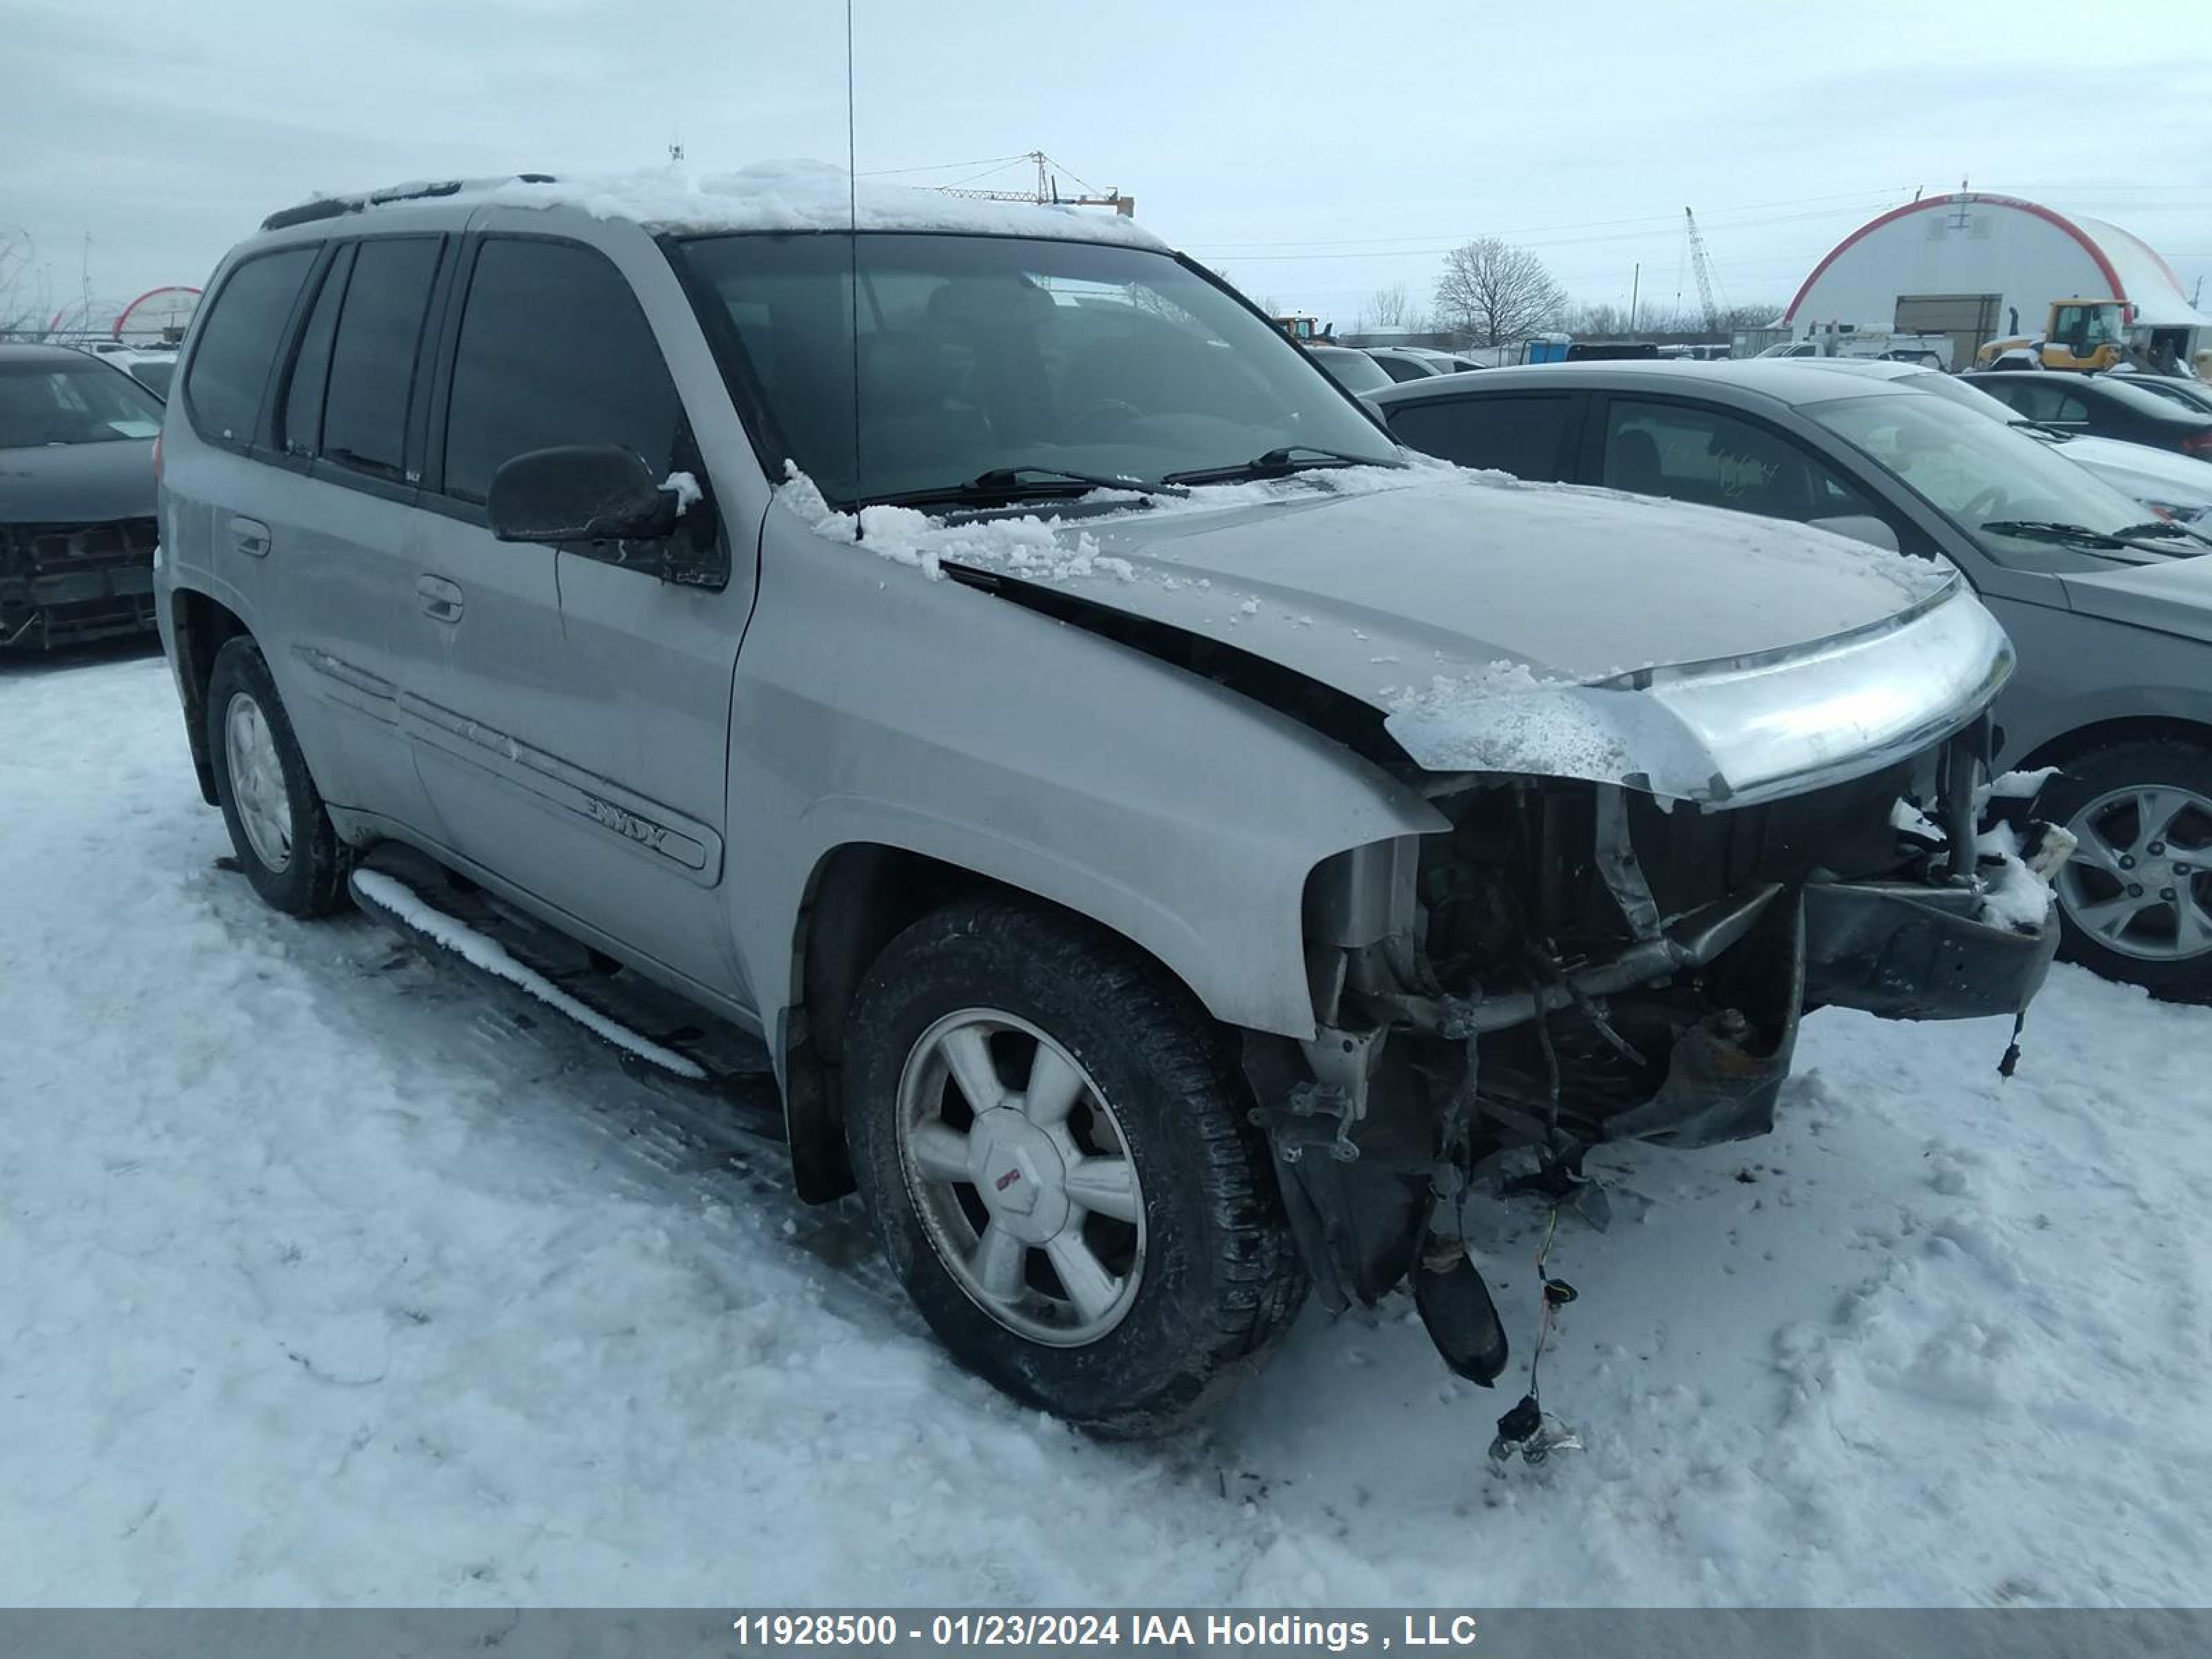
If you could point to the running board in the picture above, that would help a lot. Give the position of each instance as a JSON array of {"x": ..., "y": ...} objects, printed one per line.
[{"x": 648, "y": 1025}]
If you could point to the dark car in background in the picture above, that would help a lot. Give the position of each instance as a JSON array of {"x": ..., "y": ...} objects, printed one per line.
[
  {"x": 2102, "y": 405},
  {"x": 2110, "y": 607},
  {"x": 76, "y": 498},
  {"x": 1355, "y": 371},
  {"x": 2189, "y": 392}
]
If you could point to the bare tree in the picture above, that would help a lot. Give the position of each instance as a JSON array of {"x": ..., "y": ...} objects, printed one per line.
[
  {"x": 1386, "y": 308},
  {"x": 1496, "y": 292}
]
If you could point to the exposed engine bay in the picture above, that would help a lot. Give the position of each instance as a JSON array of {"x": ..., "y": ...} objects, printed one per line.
[{"x": 1577, "y": 963}]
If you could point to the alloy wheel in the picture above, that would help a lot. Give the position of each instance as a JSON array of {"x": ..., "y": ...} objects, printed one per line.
[
  {"x": 1022, "y": 1177},
  {"x": 2140, "y": 881},
  {"x": 257, "y": 782}
]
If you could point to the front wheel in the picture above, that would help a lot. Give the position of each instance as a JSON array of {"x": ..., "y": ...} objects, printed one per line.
[
  {"x": 2135, "y": 899},
  {"x": 1050, "y": 1136}
]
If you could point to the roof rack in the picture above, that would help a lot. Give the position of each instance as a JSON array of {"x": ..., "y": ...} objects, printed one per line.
[{"x": 334, "y": 207}]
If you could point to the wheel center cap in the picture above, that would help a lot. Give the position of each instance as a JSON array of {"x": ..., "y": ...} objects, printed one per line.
[{"x": 1021, "y": 1175}]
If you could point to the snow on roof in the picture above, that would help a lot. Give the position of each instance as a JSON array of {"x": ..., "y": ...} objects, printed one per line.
[
  {"x": 807, "y": 195},
  {"x": 2146, "y": 279}
]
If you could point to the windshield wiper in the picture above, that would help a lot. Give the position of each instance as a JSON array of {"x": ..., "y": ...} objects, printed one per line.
[
  {"x": 2156, "y": 536},
  {"x": 1276, "y": 464},
  {"x": 1009, "y": 483}
]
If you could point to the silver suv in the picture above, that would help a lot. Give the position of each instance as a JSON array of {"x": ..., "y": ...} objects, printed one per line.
[{"x": 1172, "y": 845}]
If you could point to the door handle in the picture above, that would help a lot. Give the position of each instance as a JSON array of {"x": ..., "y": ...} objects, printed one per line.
[
  {"x": 249, "y": 537},
  {"x": 441, "y": 600}
]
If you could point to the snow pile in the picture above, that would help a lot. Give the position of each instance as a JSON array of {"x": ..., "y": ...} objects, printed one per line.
[
  {"x": 411, "y": 908},
  {"x": 806, "y": 195}
]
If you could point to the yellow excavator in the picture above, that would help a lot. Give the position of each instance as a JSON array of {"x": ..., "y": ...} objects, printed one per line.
[{"x": 2084, "y": 335}]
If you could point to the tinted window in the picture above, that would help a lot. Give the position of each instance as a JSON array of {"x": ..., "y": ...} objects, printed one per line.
[
  {"x": 239, "y": 342},
  {"x": 1703, "y": 455},
  {"x": 1525, "y": 436},
  {"x": 372, "y": 370},
  {"x": 300, "y": 428},
  {"x": 553, "y": 350},
  {"x": 1401, "y": 371}
]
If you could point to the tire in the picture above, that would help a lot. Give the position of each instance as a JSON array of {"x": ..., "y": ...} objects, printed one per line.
[
  {"x": 1203, "y": 1271},
  {"x": 284, "y": 839},
  {"x": 2123, "y": 801}
]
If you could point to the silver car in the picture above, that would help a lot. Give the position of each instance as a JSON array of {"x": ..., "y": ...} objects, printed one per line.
[
  {"x": 1170, "y": 845},
  {"x": 2110, "y": 604}
]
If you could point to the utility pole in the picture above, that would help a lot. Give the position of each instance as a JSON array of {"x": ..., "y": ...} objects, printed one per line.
[{"x": 1635, "y": 288}]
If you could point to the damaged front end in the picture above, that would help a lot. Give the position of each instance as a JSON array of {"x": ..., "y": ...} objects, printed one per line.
[{"x": 1577, "y": 962}]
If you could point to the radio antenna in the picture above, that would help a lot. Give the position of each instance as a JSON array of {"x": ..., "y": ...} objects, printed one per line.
[{"x": 852, "y": 243}]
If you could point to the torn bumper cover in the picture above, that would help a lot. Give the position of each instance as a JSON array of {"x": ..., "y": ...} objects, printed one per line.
[{"x": 1908, "y": 951}]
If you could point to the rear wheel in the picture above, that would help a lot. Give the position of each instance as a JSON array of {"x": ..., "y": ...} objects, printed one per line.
[
  {"x": 2135, "y": 899},
  {"x": 1050, "y": 1136},
  {"x": 285, "y": 842}
]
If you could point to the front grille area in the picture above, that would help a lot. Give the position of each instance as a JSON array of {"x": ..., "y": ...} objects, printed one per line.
[
  {"x": 70, "y": 582},
  {"x": 37, "y": 550}
]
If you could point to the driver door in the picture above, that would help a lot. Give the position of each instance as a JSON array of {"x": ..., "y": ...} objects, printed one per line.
[{"x": 570, "y": 710}]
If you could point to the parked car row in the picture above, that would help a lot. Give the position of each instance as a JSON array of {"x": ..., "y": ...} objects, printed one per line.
[
  {"x": 2108, "y": 603},
  {"x": 1356, "y": 368},
  {"x": 1259, "y": 842}
]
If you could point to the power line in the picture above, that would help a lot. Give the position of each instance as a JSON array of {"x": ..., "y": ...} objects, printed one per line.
[{"x": 941, "y": 167}]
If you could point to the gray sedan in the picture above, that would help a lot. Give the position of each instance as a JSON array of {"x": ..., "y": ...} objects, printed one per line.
[{"x": 2111, "y": 608}]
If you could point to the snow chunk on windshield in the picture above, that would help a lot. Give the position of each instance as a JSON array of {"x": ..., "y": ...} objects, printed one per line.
[{"x": 812, "y": 195}]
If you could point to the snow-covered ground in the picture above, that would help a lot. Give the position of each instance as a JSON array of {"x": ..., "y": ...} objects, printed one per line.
[{"x": 327, "y": 1275}]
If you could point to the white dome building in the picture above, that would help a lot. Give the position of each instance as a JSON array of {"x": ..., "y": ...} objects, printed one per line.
[{"x": 1981, "y": 267}]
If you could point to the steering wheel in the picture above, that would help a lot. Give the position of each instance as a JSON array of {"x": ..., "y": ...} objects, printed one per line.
[
  {"x": 1108, "y": 415},
  {"x": 1984, "y": 505}
]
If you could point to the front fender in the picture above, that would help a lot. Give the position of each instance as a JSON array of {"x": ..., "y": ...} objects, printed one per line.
[{"x": 949, "y": 722}]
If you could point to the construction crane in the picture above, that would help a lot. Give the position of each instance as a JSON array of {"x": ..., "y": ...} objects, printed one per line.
[
  {"x": 1047, "y": 191},
  {"x": 1702, "y": 266}
]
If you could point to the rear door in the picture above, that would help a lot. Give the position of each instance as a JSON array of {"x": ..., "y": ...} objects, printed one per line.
[
  {"x": 338, "y": 506},
  {"x": 568, "y": 709}
]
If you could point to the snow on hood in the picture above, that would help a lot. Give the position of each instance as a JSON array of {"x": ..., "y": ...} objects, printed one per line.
[
  {"x": 806, "y": 195},
  {"x": 1498, "y": 625}
]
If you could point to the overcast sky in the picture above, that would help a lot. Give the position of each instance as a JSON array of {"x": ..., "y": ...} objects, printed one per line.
[{"x": 1315, "y": 152}]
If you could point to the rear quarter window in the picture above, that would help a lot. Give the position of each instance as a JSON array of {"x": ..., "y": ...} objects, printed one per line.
[{"x": 238, "y": 343}]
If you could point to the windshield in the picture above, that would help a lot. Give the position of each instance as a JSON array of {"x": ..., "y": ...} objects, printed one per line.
[
  {"x": 982, "y": 354},
  {"x": 44, "y": 403},
  {"x": 1979, "y": 473}
]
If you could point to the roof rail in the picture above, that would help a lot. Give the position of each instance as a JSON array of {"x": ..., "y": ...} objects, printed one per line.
[{"x": 333, "y": 207}]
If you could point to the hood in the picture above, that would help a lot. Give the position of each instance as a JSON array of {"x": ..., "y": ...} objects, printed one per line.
[
  {"x": 2141, "y": 472},
  {"x": 78, "y": 483},
  {"x": 2174, "y": 596},
  {"x": 1699, "y": 655}
]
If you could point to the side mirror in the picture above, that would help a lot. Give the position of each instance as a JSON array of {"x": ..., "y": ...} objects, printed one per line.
[
  {"x": 579, "y": 493},
  {"x": 1860, "y": 527}
]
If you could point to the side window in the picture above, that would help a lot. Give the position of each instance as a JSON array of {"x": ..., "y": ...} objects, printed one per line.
[
  {"x": 1401, "y": 371},
  {"x": 299, "y": 423},
  {"x": 2067, "y": 408},
  {"x": 1717, "y": 459},
  {"x": 1525, "y": 436},
  {"x": 371, "y": 371},
  {"x": 553, "y": 350},
  {"x": 239, "y": 342}
]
